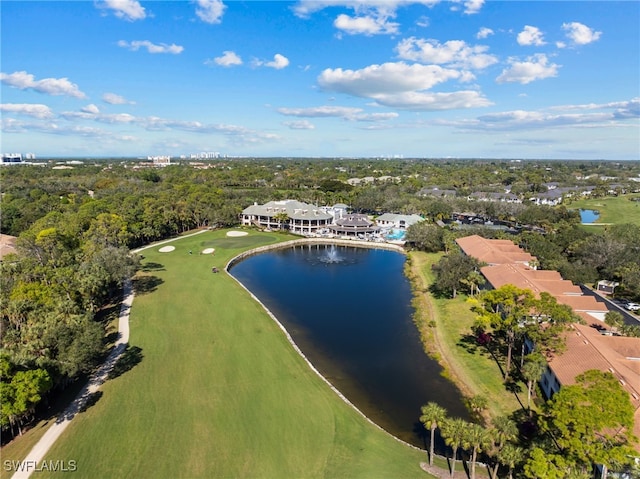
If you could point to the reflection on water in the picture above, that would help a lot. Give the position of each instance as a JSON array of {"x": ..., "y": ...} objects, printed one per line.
[{"x": 349, "y": 310}]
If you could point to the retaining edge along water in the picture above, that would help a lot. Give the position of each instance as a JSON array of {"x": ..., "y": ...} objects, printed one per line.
[{"x": 312, "y": 241}]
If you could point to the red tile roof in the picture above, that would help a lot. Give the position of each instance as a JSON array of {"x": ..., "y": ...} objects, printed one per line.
[{"x": 493, "y": 251}]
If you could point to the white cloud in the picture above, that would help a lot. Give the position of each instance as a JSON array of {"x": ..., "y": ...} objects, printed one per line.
[
  {"x": 227, "y": 59},
  {"x": 346, "y": 113},
  {"x": 483, "y": 33},
  {"x": 130, "y": 10},
  {"x": 531, "y": 36},
  {"x": 91, "y": 108},
  {"x": 321, "y": 112},
  {"x": 50, "y": 86},
  {"x": 428, "y": 101},
  {"x": 151, "y": 47},
  {"x": 423, "y": 21},
  {"x": 385, "y": 78},
  {"x": 536, "y": 67},
  {"x": 304, "y": 8},
  {"x": 371, "y": 17},
  {"x": 36, "y": 110},
  {"x": 472, "y": 6},
  {"x": 456, "y": 53},
  {"x": 299, "y": 125},
  {"x": 399, "y": 85},
  {"x": 580, "y": 34},
  {"x": 365, "y": 25},
  {"x": 279, "y": 62},
  {"x": 210, "y": 11},
  {"x": 114, "y": 99},
  {"x": 605, "y": 115},
  {"x": 376, "y": 117}
]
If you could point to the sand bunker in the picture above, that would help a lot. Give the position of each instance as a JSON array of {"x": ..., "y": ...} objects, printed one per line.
[
  {"x": 237, "y": 233},
  {"x": 167, "y": 249},
  {"x": 208, "y": 251}
]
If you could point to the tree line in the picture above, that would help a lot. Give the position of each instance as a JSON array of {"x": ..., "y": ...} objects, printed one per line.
[{"x": 76, "y": 227}]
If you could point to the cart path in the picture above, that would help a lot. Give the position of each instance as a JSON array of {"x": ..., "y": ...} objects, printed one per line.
[{"x": 32, "y": 461}]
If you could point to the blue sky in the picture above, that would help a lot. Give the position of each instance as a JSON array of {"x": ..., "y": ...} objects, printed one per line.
[{"x": 322, "y": 78}]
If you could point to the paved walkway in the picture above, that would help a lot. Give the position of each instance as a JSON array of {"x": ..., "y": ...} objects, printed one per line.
[
  {"x": 38, "y": 452},
  {"x": 32, "y": 460}
]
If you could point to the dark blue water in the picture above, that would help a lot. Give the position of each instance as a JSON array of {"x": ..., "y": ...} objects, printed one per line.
[
  {"x": 349, "y": 310},
  {"x": 589, "y": 216}
]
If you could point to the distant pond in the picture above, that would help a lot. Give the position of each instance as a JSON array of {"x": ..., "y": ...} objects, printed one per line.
[
  {"x": 349, "y": 310},
  {"x": 589, "y": 216}
]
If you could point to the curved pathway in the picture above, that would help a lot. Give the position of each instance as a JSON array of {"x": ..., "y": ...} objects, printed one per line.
[{"x": 32, "y": 461}]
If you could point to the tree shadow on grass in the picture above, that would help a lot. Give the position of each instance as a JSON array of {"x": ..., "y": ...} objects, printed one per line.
[
  {"x": 90, "y": 401},
  {"x": 146, "y": 284},
  {"x": 438, "y": 293},
  {"x": 470, "y": 344},
  {"x": 151, "y": 266},
  {"x": 131, "y": 357}
]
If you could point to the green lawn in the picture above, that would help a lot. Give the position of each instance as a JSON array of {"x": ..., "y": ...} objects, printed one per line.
[
  {"x": 214, "y": 389},
  {"x": 466, "y": 363},
  {"x": 616, "y": 210}
]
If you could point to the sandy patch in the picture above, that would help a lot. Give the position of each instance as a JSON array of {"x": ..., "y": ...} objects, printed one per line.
[
  {"x": 167, "y": 249},
  {"x": 208, "y": 251},
  {"x": 237, "y": 233}
]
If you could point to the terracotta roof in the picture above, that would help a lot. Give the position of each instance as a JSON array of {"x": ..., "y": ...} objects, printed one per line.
[
  {"x": 493, "y": 251},
  {"x": 588, "y": 349},
  {"x": 526, "y": 278},
  {"x": 583, "y": 303}
]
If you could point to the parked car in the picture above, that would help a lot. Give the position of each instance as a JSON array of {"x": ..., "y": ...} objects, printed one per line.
[{"x": 632, "y": 306}]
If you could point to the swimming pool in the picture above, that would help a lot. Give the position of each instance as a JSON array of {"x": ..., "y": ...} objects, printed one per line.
[{"x": 396, "y": 235}]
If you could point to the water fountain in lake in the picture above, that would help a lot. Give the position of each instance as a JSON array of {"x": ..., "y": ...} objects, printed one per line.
[{"x": 331, "y": 255}]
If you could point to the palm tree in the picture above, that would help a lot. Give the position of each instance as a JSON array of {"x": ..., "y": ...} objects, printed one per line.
[
  {"x": 476, "y": 405},
  {"x": 477, "y": 439},
  {"x": 510, "y": 455},
  {"x": 505, "y": 430},
  {"x": 532, "y": 370},
  {"x": 453, "y": 431},
  {"x": 614, "y": 320},
  {"x": 474, "y": 279},
  {"x": 432, "y": 417}
]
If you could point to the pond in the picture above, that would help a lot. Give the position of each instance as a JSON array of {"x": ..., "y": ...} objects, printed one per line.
[
  {"x": 589, "y": 216},
  {"x": 349, "y": 310}
]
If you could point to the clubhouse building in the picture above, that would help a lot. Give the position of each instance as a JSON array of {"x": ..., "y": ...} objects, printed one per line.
[{"x": 292, "y": 215}]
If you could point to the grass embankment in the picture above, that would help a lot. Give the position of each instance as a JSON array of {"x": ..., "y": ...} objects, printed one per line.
[
  {"x": 213, "y": 389},
  {"x": 445, "y": 327},
  {"x": 613, "y": 209}
]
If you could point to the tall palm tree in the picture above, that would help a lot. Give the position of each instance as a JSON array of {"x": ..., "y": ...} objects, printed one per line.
[
  {"x": 453, "y": 431},
  {"x": 432, "y": 417},
  {"x": 477, "y": 439},
  {"x": 532, "y": 370},
  {"x": 509, "y": 456},
  {"x": 503, "y": 429}
]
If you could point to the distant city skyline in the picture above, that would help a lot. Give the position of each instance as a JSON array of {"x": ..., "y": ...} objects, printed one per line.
[{"x": 321, "y": 78}]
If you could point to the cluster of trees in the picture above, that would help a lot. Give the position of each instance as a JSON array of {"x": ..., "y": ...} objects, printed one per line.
[
  {"x": 588, "y": 257},
  {"x": 67, "y": 268},
  {"x": 583, "y": 425},
  {"x": 76, "y": 227},
  {"x": 578, "y": 255}
]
